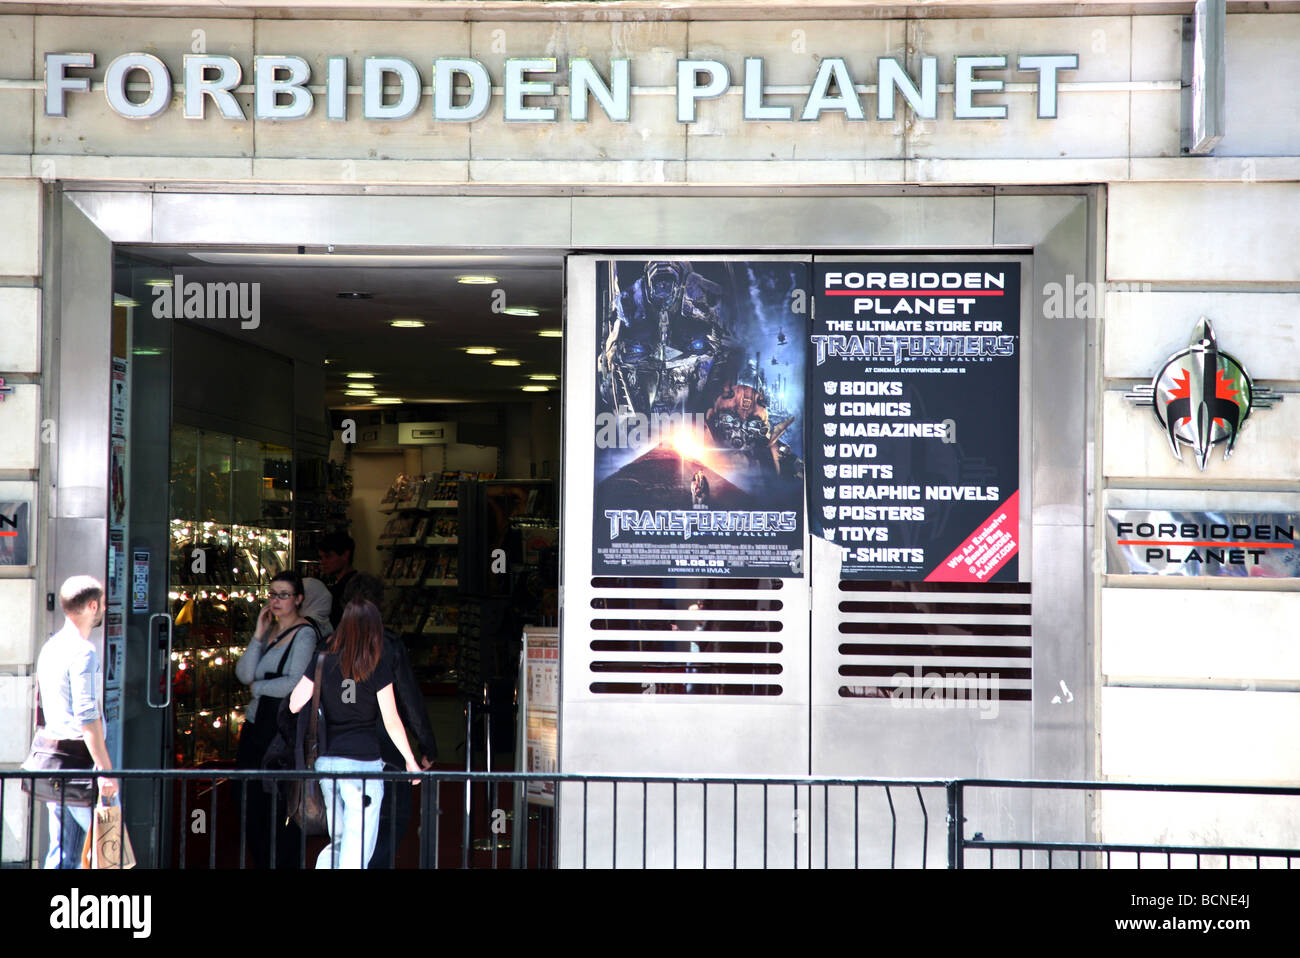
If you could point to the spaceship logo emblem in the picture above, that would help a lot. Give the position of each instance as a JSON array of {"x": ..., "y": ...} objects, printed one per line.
[{"x": 1202, "y": 396}]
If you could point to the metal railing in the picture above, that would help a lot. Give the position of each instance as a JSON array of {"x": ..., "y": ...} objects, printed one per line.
[{"x": 203, "y": 819}]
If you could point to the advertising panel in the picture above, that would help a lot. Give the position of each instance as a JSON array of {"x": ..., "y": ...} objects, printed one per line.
[
  {"x": 914, "y": 419},
  {"x": 699, "y": 444}
]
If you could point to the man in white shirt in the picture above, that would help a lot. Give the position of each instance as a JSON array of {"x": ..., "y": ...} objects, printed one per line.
[{"x": 68, "y": 673}]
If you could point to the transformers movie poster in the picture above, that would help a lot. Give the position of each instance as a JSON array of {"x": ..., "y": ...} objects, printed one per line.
[{"x": 699, "y": 418}]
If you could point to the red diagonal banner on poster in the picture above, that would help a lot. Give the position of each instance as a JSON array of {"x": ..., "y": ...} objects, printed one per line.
[{"x": 986, "y": 550}]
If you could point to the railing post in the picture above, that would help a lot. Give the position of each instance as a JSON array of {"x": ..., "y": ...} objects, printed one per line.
[{"x": 956, "y": 819}]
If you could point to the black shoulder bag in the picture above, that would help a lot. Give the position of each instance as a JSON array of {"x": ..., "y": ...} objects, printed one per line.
[{"x": 306, "y": 802}]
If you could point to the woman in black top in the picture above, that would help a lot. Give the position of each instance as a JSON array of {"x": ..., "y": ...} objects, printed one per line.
[{"x": 356, "y": 689}]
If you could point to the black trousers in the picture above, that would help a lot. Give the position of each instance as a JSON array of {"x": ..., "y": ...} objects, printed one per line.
[{"x": 261, "y": 833}]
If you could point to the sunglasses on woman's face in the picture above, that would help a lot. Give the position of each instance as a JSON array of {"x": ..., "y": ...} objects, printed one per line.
[{"x": 282, "y": 595}]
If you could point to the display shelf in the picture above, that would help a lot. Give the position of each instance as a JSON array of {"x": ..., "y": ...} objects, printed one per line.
[
  {"x": 436, "y": 583},
  {"x": 441, "y": 540},
  {"x": 230, "y": 530}
]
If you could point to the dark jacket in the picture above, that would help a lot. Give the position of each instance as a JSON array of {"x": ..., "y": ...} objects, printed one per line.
[{"x": 410, "y": 706}]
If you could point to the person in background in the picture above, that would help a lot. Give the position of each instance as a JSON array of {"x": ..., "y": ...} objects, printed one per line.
[
  {"x": 415, "y": 718},
  {"x": 317, "y": 607},
  {"x": 282, "y": 646},
  {"x": 68, "y": 675},
  {"x": 356, "y": 691},
  {"x": 336, "y": 553}
]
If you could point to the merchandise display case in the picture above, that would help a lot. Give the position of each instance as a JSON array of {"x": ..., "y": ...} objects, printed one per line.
[{"x": 231, "y": 532}]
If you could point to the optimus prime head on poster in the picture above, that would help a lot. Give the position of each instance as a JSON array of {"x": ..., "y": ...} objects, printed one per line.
[{"x": 704, "y": 359}]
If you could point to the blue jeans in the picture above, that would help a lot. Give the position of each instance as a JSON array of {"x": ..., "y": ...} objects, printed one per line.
[
  {"x": 353, "y": 815},
  {"x": 67, "y": 835}
]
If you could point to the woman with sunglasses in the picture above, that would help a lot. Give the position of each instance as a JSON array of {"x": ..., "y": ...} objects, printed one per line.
[{"x": 271, "y": 666}]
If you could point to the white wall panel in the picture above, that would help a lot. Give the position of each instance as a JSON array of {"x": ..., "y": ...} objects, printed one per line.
[
  {"x": 20, "y": 346},
  {"x": 1200, "y": 635},
  {"x": 20, "y": 240},
  {"x": 1261, "y": 86},
  {"x": 20, "y": 428},
  {"x": 1190, "y": 819},
  {"x": 1135, "y": 447},
  {"x": 1261, "y": 329},
  {"x": 17, "y": 599},
  {"x": 16, "y": 61},
  {"x": 17, "y": 707},
  {"x": 1193, "y": 735},
  {"x": 1203, "y": 232}
]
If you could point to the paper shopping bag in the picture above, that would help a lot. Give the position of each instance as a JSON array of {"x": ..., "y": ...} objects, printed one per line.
[{"x": 107, "y": 843}]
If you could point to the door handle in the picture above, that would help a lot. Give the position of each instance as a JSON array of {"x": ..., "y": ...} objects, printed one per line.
[{"x": 159, "y": 679}]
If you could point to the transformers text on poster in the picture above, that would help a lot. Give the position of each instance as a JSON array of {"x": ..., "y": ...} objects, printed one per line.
[
  {"x": 914, "y": 425},
  {"x": 699, "y": 431}
]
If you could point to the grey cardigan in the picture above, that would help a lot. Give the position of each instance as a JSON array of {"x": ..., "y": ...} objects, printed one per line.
[{"x": 256, "y": 664}]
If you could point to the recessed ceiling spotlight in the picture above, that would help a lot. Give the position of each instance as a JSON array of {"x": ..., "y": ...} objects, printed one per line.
[
  {"x": 536, "y": 389},
  {"x": 480, "y": 350},
  {"x": 407, "y": 324},
  {"x": 550, "y": 333},
  {"x": 355, "y": 294},
  {"x": 359, "y": 375},
  {"x": 477, "y": 280},
  {"x": 158, "y": 282},
  {"x": 522, "y": 311},
  {"x": 359, "y": 392},
  {"x": 386, "y": 400},
  {"x": 505, "y": 362},
  {"x": 545, "y": 377}
]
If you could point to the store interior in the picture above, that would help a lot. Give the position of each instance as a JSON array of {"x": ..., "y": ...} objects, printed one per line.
[{"x": 409, "y": 401}]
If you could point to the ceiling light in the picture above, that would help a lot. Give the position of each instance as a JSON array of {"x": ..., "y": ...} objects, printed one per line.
[
  {"x": 359, "y": 375},
  {"x": 536, "y": 389},
  {"x": 359, "y": 392},
  {"x": 522, "y": 311},
  {"x": 505, "y": 362},
  {"x": 480, "y": 350},
  {"x": 407, "y": 324},
  {"x": 120, "y": 300},
  {"x": 146, "y": 352},
  {"x": 550, "y": 333},
  {"x": 545, "y": 377},
  {"x": 158, "y": 282},
  {"x": 386, "y": 400},
  {"x": 473, "y": 279},
  {"x": 355, "y": 294}
]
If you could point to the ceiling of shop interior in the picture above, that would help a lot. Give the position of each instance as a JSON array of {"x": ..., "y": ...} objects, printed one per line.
[{"x": 301, "y": 314}]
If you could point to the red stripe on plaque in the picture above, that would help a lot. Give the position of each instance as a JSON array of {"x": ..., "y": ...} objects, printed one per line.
[{"x": 986, "y": 550}]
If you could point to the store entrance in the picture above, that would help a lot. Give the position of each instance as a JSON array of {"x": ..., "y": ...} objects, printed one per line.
[{"x": 329, "y": 414}]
